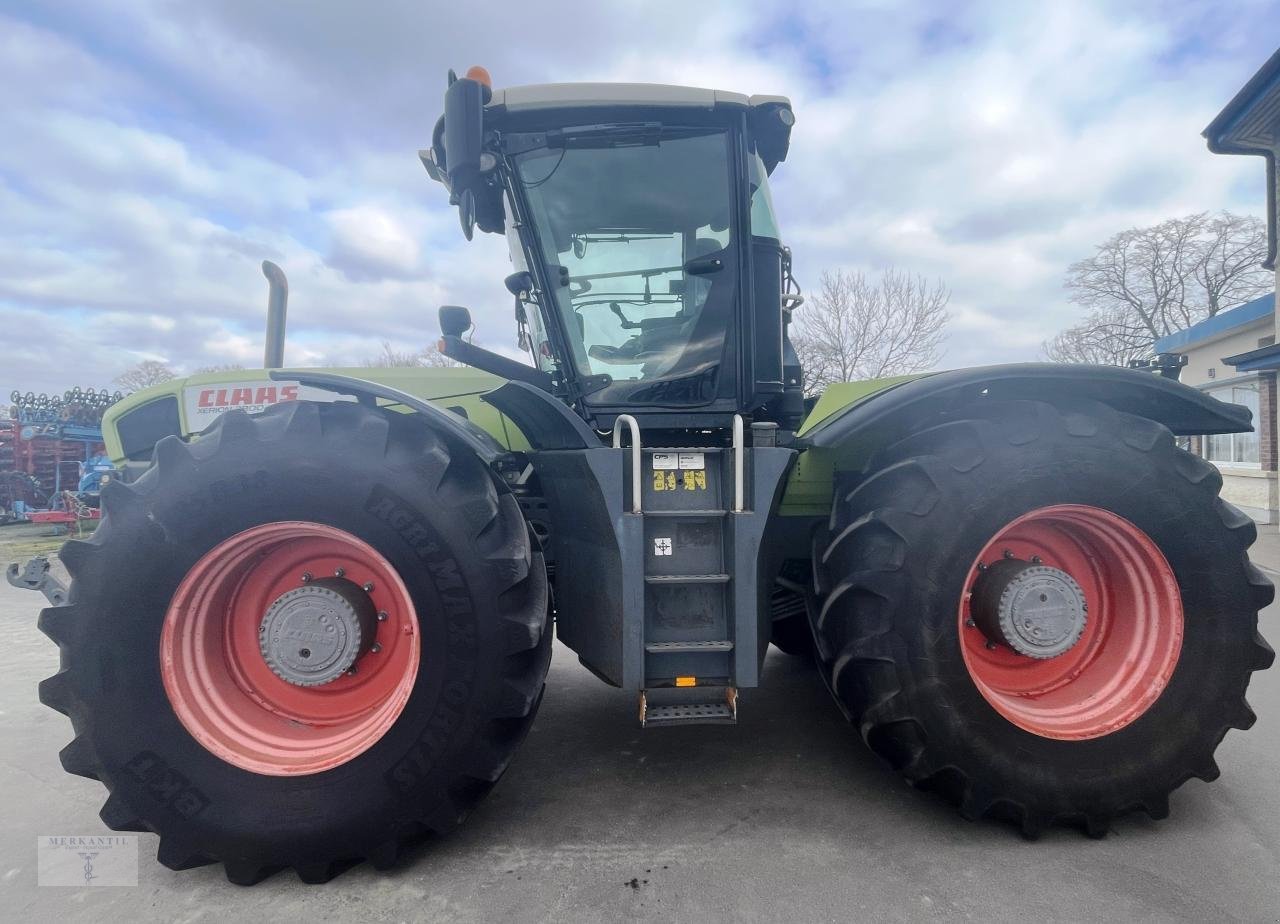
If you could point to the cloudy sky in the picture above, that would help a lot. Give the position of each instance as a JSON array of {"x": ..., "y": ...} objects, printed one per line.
[{"x": 154, "y": 153}]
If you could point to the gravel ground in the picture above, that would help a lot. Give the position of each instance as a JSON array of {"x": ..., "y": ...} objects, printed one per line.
[{"x": 785, "y": 817}]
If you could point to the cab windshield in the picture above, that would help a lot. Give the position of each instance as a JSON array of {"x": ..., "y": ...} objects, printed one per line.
[{"x": 633, "y": 223}]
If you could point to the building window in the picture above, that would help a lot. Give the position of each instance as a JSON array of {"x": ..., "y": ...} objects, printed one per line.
[{"x": 1235, "y": 448}]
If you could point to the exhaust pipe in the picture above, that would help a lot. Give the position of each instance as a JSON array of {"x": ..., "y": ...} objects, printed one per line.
[{"x": 277, "y": 305}]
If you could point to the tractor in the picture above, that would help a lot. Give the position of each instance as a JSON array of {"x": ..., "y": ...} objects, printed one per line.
[{"x": 316, "y": 634}]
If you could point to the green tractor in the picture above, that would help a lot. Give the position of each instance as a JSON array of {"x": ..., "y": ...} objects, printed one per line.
[{"x": 314, "y": 635}]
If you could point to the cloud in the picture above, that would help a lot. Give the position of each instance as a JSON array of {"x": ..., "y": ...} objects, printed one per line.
[
  {"x": 370, "y": 244},
  {"x": 155, "y": 154}
]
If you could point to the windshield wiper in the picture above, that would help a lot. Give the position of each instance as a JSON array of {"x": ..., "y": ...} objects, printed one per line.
[
  {"x": 619, "y": 274},
  {"x": 606, "y": 135},
  {"x": 698, "y": 266}
]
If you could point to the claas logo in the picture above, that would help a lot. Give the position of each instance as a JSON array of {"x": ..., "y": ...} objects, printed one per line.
[{"x": 246, "y": 396}]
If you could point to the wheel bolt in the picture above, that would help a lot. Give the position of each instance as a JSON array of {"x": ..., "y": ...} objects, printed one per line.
[
  {"x": 382, "y": 615},
  {"x": 351, "y": 671},
  {"x": 990, "y": 644},
  {"x": 1036, "y": 560},
  {"x": 306, "y": 577},
  {"x": 339, "y": 572},
  {"x": 368, "y": 587},
  {"x": 1007, "y": 554},
  {"x": 375, "y": 648},
  {"x": 981, "y": 566},
  {"x": 970, "y": 623}
]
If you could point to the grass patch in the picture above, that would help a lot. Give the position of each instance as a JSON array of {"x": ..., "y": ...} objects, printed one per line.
[{"x": 21, "y": 541}]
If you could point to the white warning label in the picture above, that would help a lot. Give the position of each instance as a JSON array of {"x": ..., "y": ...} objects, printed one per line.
[
  {"x": 665, "y": 461},
  {"x": 692, "y": 460},
  {"x": 662, "y": 545}
]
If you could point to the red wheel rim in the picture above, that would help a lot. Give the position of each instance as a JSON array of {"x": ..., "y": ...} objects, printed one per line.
[
  {"x": 220, "y": 685},
  {"x": 1131, "y": 640}
]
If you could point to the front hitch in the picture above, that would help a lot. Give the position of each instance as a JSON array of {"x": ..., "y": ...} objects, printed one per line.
[{"x": 34, "y": 575}]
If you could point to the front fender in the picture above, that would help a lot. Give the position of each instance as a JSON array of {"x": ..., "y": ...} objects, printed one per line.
[{"x": 453, "y": 427}]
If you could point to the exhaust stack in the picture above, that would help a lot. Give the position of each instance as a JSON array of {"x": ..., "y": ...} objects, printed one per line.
[{"x": 277, "y": 306}]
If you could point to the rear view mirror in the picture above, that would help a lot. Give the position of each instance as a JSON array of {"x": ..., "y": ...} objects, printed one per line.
[
  {"x": 463, "y": 132},
  {"x": 454, "y": 320},
  {"x": 519, "y": 282}
]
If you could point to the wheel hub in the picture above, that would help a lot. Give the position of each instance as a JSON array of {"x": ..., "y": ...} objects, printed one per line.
[
  {"x": 1037, "y": 610},
  {"x": 313, "y": 634}
]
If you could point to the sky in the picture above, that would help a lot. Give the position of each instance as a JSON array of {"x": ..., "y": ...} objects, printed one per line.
[{"x": 154, "y": 153}]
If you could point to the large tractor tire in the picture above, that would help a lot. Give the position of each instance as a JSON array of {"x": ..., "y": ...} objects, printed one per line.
[
  {"x": 1046, "y": 615},
  {"x": 310, "y": 637}
]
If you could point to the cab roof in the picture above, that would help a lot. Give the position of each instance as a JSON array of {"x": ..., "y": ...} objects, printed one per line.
[{"x": 641, "y": 95}]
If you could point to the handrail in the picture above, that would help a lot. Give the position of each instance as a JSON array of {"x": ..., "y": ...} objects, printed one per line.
[
  {"x": 634, "y": 427},
  {"x": 737, "y": 463}
]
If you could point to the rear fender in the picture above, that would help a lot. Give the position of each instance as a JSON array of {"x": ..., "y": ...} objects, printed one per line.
[{"x": 845, "y": 439}]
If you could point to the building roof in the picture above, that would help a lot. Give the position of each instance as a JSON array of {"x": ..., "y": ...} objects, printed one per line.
[
  {"x": 1261, "y": 359},
  {"x": 1250, "y": 124},
  {"x": 1221, "y": 324}
]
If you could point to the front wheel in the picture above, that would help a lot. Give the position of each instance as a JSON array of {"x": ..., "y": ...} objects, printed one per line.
[
  {"x": 310, "y": 637},
  {"x": 1046, "y": 615}
]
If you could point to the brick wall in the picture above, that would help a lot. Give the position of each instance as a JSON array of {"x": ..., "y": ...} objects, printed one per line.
[{"x": 1266, "y": 422}]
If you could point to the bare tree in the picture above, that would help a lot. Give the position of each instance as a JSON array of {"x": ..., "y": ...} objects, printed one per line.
[
  {"x": 856, "y": 328},
  {"x": 433, "y": 358},
  {"x": 1145, "y": 283},
  {"x": 1106, "y": 338},
  {"x": 815, "y": 361},
  {"x": 1230, "y": 271},
  {"x": 220, "y": 367},
  {"x": 390, "y": 358},
  {"x": 145, "y": 374},
  {"x": 430, "y": 357}
]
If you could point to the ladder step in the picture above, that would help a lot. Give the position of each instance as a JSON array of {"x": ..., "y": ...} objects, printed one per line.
[
  {"x": 690, "y": 714},
  {"x": 657, "y": 512},
  {"x": 668, "y": 647},
  {"x": 689, "y": 706},
  {"x": 706, "y": 449},
  {"x": 686, "y": 579}
]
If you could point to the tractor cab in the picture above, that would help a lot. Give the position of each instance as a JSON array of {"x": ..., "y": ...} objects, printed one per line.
[{"x": 650, "y": 274}]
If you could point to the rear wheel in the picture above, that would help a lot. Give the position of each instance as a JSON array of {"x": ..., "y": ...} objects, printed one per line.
[
  {"x": 1045, "y": 615},
  {"x": 310, "y": 637}
]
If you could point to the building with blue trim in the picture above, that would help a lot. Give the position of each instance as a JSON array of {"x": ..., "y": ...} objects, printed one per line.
[
  {"x": 1234, "y": 355},
  {"x": 1213, "y": 347}
]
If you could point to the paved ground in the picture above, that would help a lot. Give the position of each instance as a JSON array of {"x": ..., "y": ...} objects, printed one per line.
[
  {"x": 785, "y": 817},
  {"x": 1266, "y": 552}
]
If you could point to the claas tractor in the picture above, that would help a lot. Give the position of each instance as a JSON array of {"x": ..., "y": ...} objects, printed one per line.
[{"x": 316, "y": 634}]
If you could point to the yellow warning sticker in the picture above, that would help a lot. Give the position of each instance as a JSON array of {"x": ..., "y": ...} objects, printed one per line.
[
  {"x": 690, "y": 481},
  {"x": 664, "y": 481}
]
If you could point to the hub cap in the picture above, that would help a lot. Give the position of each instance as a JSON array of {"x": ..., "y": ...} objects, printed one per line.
[
  {"x": 1036, "y": 610},
  {"x": 281, "y": 675},
  {"x": 1107, "y": 609},
  {"x": 313, "y": 634}
]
